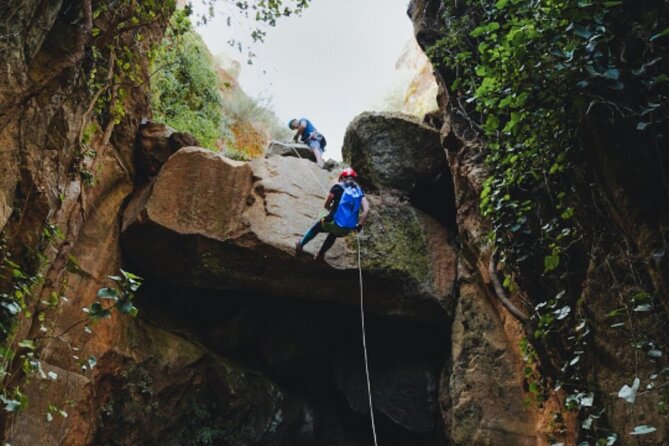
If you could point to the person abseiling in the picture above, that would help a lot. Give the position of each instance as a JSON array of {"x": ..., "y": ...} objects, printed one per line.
[
  {"x": 308, "y": 134},
  {"x": 344, "y": 202}
]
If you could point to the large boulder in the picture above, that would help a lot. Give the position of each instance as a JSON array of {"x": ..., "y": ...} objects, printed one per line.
[
  {"x": 211, "y": 222},
  {"x": 394, "y": 151},
  {"x": 155, "y": 144}
]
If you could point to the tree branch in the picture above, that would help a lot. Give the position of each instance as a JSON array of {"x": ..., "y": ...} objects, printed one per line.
[{"x": 501, "y": 293}]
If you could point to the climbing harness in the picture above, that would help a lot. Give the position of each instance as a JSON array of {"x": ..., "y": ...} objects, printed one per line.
[
  {"x": 362, "y": 320},
  {"x": 364, "y": 345}
]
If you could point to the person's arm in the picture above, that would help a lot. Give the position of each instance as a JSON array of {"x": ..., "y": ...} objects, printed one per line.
[
  {"x": 300, "y": 130},
  {"x": 329, "y": 200},
  {"x": 365, "y": 212}
]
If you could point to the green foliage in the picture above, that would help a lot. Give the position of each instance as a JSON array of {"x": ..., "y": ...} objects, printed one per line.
[
  {"x": 120, "y": 297},
  {"x": 262, "y": 11},
  {"x": 185, "y": 88},
  {"x": 524, "y": 72},
  {"x": 527, "y": 77},
  {"x": 13, "y": 299},
  {"x": 186, "y": 92}
]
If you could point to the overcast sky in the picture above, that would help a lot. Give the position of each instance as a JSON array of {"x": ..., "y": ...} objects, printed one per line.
[{"x": 330, "y": 64}]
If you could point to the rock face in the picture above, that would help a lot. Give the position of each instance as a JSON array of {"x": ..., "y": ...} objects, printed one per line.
[
  {"x": 277, "y": 148},
  {"x": 174, "y": 391},
  {"x": 617, "y": 258},
  {"x": 393, "y": 151},
  {"x": 235, "y": 226},
  {"x": 402, "y": 156},
  {"x": 155, "y": 144},
  {"x": 240, "y": 342}
]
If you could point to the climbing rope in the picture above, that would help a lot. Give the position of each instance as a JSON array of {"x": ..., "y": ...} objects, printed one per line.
[
  {"x": 325, "y": 191},
  {"x": 364, "y": 346},
  {"x": 362, "y": 318}
]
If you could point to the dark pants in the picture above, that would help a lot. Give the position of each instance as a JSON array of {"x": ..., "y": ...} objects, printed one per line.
[{"x": 331, "y": 228}]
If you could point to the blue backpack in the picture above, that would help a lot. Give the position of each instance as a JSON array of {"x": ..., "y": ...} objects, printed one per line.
[{"x": 346, "y": 215}]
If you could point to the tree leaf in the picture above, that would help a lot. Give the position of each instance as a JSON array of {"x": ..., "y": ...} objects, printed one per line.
[
  {"x": 655, "y": 353},
  {"x": 660, "y": 34},
  {"x": 629, "y": 393},
  {"x": 643, "y": 308},
  {"x": 27, "y": 343},
  {"x": 551, "y": 262},
  {"x": 586, "y": 399},
  {"x": 562, "y": 312},
  {"x": 643, "y": 429},
  {"x": 107, "y": 293}
]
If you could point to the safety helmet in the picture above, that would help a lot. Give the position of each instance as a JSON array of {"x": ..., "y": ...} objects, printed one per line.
[
  {"x": 290, "y": 121},
  {"x": 347, "y": 173}
]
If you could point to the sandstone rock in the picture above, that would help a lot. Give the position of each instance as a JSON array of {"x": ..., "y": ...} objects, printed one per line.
[
  {"x": 169, "y": 391},
  {"x": 421, "y": 92},
  {"x": 220, "y": 224},
  {"x": 393, "y": 151},
  {"x": 426, "y": 17},
  {"x": 277, "y": 148},
  {"x": 155, "y": 144},
  {"x": 5, "y": 211},
  {"x": 482, "y": 391}
]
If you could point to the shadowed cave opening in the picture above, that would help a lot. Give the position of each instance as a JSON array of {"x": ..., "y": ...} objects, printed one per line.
[
  {"x": 313, "y": 350},
  {"x": 436, "y": 197}
]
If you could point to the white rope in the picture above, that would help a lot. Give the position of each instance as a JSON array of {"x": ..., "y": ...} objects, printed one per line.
[
  {"x": 362, "y": 319},
  {"x": 364, "y": 346},
  {"x": 325, "y": 191}
]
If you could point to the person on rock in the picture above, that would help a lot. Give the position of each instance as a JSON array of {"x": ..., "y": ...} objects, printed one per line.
[
  {"x": 344, "y": 202},
  {"x": 307, "y": 133}
]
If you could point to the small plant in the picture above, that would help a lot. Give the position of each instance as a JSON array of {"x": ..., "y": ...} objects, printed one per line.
[{"x": 120, "y": 297}]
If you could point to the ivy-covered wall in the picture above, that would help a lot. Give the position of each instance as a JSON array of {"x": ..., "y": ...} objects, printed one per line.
[{"x": 565, "y": 102}]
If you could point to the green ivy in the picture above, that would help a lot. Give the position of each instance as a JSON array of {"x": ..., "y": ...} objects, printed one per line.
[
  {"x": 526, "y": 75},
  {"x": 185, "y": 89}
]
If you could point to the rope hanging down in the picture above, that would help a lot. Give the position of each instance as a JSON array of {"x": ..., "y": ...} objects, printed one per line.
[
  {"x": 362, "y": 319},
  {"x": 364, "y": 346}
]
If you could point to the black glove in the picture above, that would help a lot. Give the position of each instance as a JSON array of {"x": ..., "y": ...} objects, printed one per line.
[{"x": 358, "y": 228}]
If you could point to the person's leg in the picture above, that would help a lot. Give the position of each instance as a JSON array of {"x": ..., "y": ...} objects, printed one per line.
[
  {"x": 333, "y": 231},
  {"x": 310, "y": 234},
  {"x": 315, "y": 146},
  {"x": 319, "y": 157},
  {"x": 327, "y": 244}
]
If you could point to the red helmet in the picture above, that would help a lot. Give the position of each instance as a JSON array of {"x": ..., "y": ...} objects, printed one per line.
[{"x": 347, "y": 173}]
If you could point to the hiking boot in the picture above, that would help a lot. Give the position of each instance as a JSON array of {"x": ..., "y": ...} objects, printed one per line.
[{"x": 298, "y": 248}]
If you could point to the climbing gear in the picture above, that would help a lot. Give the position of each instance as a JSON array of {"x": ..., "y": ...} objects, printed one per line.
[
  {"x": 332, "y": 228},
  {"x": 364, "y": 346},
  {"x": 347, "y": 173},
  {"x": 320, "y": 139},
  {"x": 346, "y": 215}
]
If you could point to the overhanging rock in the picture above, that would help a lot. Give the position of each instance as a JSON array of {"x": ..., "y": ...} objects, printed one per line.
[{"x": 211, "y": 222}]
